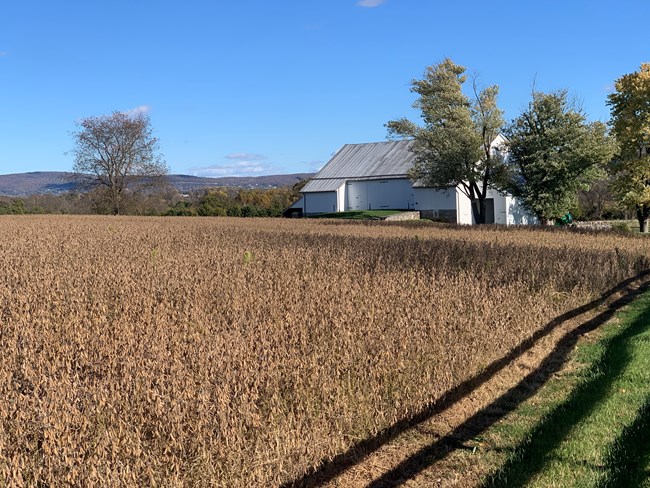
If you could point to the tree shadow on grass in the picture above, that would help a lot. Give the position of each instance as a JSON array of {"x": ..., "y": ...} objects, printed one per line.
[
  {"x": 532, "y": 455},
  {"x": 550, "y": 432},
  {"x": 331, "y": 468},
  {"x": 627, "y": 462}
]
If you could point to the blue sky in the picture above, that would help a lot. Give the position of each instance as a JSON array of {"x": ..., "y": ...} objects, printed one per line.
[{"x": 265, "y": 87}]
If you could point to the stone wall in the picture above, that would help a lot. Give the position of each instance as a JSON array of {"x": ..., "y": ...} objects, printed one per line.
[{"x": 404, "y": 216}]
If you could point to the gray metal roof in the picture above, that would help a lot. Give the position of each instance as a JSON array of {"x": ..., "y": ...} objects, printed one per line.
[
  {"x": 391, "y": 159},
  {"x": 325, "y": 184}
]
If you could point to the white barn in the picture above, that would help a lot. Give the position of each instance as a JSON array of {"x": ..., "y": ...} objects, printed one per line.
[{"x": 374, "y": 176}]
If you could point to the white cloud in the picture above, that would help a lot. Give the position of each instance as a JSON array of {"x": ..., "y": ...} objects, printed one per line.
[
  {"x": 240, "y": 168},
  {"x": 370, "y": 3},
  {"x": 246, "y": 156},
  {"x": 140, "y": 110}
]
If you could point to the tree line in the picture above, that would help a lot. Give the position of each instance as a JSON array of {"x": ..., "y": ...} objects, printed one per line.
[
  {"x": 551, "y": 154},
  {"x": 221, "y": 202},
  {"x": 163, "y": 200}
]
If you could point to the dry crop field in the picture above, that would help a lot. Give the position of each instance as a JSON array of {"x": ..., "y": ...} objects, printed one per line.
[{"x": 231, "y": 352}]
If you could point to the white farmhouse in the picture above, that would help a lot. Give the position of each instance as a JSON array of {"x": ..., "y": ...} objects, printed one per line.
[{"x": 374, "y": 176}]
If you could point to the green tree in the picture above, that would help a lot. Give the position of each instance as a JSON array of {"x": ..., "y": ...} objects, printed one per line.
[
  {"x": 454, "y": 146},
  {"x": 630, "y": 122},
  {"x": 215, "y": 202},
  {"x": 117, "y": 154},
  {"x": 553, "y": 152}
]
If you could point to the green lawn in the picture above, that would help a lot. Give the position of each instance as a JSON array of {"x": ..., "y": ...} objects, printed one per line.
[{"x": 589, "y": 427}]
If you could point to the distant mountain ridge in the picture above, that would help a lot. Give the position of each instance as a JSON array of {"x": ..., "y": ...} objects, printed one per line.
[{"x": 54, "y": 182}]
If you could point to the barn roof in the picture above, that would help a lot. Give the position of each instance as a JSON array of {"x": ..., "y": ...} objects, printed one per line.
[{"x": 391, "y": 159}]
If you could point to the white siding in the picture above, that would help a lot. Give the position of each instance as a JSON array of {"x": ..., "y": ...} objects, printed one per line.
[
  {"x": 340, "y": 198},
  {"x": 379, "y": 194},
  {"x": 465, "y": 214},
  {"x": 356, "y": 196},
  {"x": 435, "y": 199},
  {"x": 500, "y": 207},
  {"x": 517, "y": 214},
  {"x": 319, "y": 202},
  {"x": 299, "y": 204}
]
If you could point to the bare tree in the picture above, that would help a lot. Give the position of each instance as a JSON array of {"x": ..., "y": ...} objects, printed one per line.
[{"x": 118, "y": 155}]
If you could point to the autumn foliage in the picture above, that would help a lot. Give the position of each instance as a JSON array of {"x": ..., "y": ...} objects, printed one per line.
[{"x": 233, "y": 352}]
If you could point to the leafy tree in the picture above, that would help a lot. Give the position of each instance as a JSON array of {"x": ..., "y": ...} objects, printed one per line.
[
  {"x": 553, "y": 153},
  {"x": 630, "y": 109},
  {"x": 233, "y": 202},
  {"x": 118, "y": 154},
  {"x": 454, "y": 146},
  {"x": 181, "y": 208},
  {"x": 15, "y": 206},
  {"x": 214, "y": 203}
]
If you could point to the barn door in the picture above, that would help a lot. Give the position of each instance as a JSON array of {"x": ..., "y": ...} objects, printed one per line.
[{"x": 489, "y": 210}]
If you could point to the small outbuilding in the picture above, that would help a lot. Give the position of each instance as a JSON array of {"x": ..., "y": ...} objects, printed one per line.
[{"x": 374, "y": 176}]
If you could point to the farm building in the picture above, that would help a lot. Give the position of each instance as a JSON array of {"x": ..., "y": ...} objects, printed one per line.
[{"x": 374, "y": 176}]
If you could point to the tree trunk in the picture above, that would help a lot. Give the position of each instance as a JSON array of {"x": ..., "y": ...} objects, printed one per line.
[
  {"x": 642, "y": 214},
  {"x": 478, "y": 208},
  {"x": 116, "y": 206},
  {"x": 116, "y": 197}
]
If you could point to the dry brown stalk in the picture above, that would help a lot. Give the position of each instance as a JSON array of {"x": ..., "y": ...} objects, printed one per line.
[{"x": 232, "y": 352}]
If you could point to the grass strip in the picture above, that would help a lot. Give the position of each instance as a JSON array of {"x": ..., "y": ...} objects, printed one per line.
[
  {"x": 591, "y": 426},
  {"x": 358, "y": 214}
]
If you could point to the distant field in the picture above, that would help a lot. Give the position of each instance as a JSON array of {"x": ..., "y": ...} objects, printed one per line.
[{"x": 232, "y": 352}]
